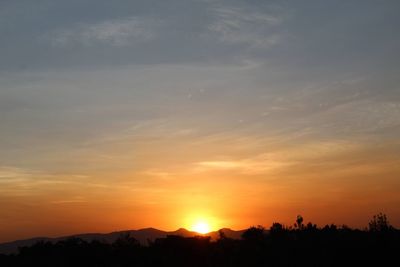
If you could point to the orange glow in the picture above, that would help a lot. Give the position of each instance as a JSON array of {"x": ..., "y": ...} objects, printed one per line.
[
  {"x": 201, "y": 227},
  {"x": 203, "y": 193},
  {"x": 202, "y": 222}
]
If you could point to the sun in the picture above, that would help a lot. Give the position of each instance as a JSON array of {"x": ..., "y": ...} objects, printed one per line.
[{"x": 201, "y": 227}]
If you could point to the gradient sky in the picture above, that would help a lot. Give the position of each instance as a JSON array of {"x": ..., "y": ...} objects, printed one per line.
[{"x": 129, "y": 114}]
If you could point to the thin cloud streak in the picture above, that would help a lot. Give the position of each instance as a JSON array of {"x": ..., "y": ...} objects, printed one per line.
[
  {"x": 239, "y": 26},
  {"x": 118, "y": 32}
]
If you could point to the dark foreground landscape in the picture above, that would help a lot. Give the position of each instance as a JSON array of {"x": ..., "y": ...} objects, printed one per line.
[{"x": 300, "y": 245}]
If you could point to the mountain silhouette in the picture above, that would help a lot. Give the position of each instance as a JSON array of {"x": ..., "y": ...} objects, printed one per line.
[
  {"x": 142, "y": 235},
  {"x": 298, "y": 245}
]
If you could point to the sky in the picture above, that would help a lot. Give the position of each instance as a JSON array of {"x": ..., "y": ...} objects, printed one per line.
[{"x": 120, "y": 115}]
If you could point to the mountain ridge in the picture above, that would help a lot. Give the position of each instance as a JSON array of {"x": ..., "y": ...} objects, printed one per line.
[{"x": 143, "y": 235}]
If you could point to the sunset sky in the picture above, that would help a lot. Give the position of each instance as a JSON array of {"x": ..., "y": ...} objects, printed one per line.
[{"x": 119, "y": 115}]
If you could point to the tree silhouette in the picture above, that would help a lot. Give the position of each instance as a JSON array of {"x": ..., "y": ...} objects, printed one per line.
[
  {"x": 254, "y": 233},
  {"x": 379, "y": 223},
  {"x": 299, "y": 222},
  {"x": 222, "y": 235},
  {"x": 280, "y": 246},
  {"x": 276, "y": 228}
]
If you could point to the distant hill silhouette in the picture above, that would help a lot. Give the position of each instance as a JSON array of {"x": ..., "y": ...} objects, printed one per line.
[
  {"x": 142, "y": 235},
  {"x": 303, "y": 244}
]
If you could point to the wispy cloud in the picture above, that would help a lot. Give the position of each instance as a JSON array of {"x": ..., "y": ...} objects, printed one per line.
[
  {"x": 7, "y": 172},
  {"x": 281, "y": 158},
  {"x": 23, "y": 182},
  {"x": 239, "y": 26},
  {"x": 71, "y": 200},
  {"x": 261, "y": 164},
  {"x": 118, "y": 32}
]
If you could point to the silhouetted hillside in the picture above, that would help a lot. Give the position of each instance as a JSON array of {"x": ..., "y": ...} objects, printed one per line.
[
  {"x": 142, "y": 235},
  {"x": 298, "y": 245}
]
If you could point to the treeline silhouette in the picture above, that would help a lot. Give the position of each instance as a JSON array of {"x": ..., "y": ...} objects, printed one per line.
[{"x": 297, "y": 245}]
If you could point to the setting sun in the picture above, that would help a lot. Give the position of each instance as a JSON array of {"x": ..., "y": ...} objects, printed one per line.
[{"x": 201, "y": 227}]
